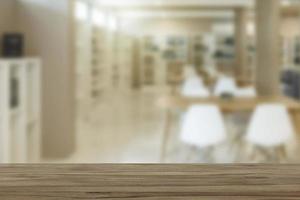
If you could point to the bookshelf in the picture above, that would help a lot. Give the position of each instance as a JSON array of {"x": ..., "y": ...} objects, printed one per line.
[
  {"x": 20, "y": 110},
  {"x": 150, "y": 55},
  {"x": 94, "y": 65},
  {"x": 125, "y": 60},
  {"x": 99, "y": 62}
]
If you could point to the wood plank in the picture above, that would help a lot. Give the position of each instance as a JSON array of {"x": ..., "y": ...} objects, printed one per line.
[{"x": 245, "y": 182}]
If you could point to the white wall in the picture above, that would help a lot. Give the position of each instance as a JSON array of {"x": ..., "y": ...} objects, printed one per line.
[{"x": 47, "y": 26}]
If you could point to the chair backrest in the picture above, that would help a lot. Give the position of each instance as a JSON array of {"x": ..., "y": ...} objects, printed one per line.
[
  {"x": 246, "y": 92},
  {"x": 203, "y": 125},
  {"x": 270, "y": 125},
  {"x": 225, "y": 85},
  {"x": 194, "y": 87}
]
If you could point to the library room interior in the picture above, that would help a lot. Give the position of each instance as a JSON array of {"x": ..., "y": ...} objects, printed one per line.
[{"x": 150, "y": 81}]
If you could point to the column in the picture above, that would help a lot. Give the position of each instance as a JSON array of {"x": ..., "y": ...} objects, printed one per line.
[
  {"x": 241, "y": 65},
  {"x": 268, "y": 51}
]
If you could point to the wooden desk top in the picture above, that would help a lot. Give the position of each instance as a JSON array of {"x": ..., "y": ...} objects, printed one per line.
[
  {"x": 142, "y": 182},
  {"x": 234, "y": 105}
]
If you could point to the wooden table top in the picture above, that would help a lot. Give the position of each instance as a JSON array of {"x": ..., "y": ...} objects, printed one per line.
[
  {"x": 234, "y": 105},
  {"x": 142, "y": 182}
]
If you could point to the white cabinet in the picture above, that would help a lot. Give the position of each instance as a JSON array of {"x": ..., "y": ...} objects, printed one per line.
[{"x": 20, "y": 110}]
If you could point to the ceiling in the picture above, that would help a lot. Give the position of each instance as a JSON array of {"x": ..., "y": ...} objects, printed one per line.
[
  {"x": 177, "y": 2},
  {"x": 216, "y": 3},
  {"x": 184, "y": 8}
]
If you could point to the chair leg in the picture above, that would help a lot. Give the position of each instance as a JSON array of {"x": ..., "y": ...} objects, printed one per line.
[
  {"x": 281, "y": 153},
  {"x": 241, "y": 151},
  {"x": 191, "y": 151},
  {"x": 250, "y": 151},
  {"x": 210, "y": 154}
]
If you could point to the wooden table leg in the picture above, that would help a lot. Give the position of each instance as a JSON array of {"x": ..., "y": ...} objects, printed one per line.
[
  {"x": 166, "y": 134},
  {"x": 295, "y": 115}
]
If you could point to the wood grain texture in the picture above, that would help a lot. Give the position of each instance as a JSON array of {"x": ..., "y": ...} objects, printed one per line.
[{"x": 205, "y": 182}]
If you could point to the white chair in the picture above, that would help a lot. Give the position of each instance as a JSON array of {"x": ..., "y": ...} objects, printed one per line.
[
  {"x": 271, "y": 127},
  {"x": 225, "y": 85},
  {"x": 194, "y": 87},
  {"x": 193, "y": 81},
  {"x": 246, "y": 92},
  {"x": 203, "y": 126}
]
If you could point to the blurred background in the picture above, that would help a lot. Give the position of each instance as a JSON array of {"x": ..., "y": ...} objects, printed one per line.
[{"x": 149, "y": 81}]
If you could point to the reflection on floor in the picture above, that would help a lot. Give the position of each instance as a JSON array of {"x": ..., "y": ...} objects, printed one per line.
[{"x": 127, "y": 127}]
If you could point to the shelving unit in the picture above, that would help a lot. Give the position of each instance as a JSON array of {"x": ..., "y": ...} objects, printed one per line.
[
  {"x": 198, "y": 51},
  {"x": 125, "y": 60},
  {"x": 162, "y": 59},
  {"x": 99, "y": 62},
  {"x": 150, "y": 57},
  {"x": 290, "y": 53},
  {"x": 83, "y": 53},
  {"x": 225, "y": 53},
  {"x": 94, "y": 43},
  {"x": 20, "y": 110},
  {"x": 176, "y": 57}
]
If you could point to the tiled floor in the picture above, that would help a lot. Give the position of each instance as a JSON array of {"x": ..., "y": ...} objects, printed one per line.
[{"x": 127, "y": 127}]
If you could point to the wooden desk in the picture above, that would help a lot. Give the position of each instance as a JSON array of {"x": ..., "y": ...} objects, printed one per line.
[
  {"x": 145, "y": 182},
  {"x": 231, "y": 106}
]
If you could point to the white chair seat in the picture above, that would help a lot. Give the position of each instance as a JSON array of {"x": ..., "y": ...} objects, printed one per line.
[
  {"x": 246, "y": 92},
  {"x": 225, "y": 85},
  {"x": 193, "y": 81},
  {"x": 194, "y": 87},
  {"x": 203, "y": 126},
  {"x": 270, "y": 126}
]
